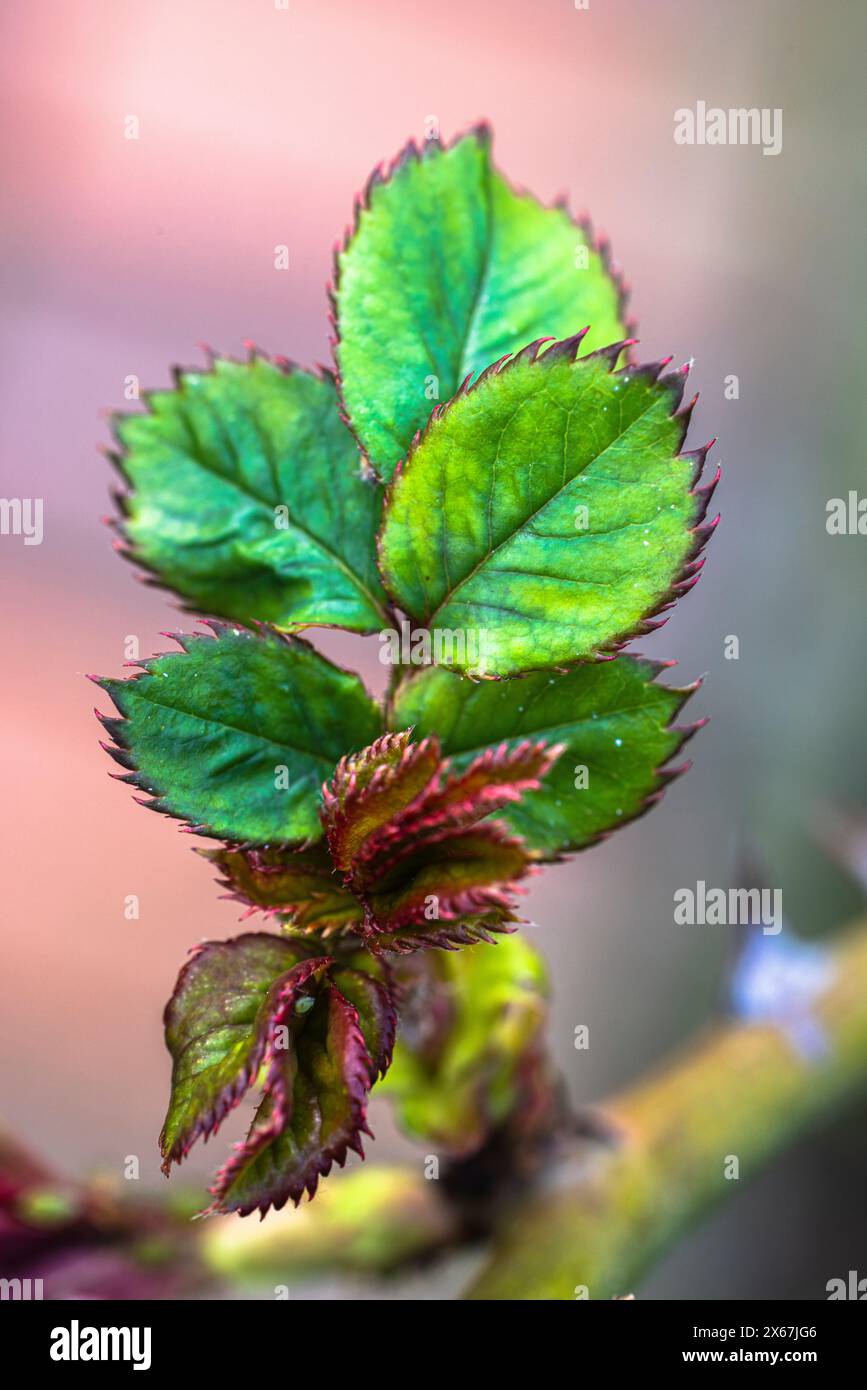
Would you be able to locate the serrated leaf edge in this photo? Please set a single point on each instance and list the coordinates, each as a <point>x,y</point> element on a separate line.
<point>360,1076</point>
<point>119,749</point>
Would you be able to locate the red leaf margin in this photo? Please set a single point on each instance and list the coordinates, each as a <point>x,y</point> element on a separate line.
<point>359,1072</point>
<point>209,1121</point>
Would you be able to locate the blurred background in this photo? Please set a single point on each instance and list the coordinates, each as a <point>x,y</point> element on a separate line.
<point>257,124</point>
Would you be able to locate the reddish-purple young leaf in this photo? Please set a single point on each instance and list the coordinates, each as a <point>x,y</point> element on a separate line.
<point>299,884</point>
<point>497,777</point>
<point>399,829</point>
<point>370,788</point>
<point>377,1016</point>
<point>219,1022</point>
<point>313,1112</point>
<point>320,1034</point>
<point>459,873</point>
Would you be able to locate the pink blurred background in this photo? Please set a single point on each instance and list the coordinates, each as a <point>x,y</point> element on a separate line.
<point>257,126</point>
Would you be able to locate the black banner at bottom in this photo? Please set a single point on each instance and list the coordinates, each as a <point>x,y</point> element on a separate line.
<point>83,1339</point>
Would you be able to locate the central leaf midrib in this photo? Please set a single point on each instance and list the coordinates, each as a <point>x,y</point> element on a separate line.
<point>244,489</point>
<point>459,368</point>
<point>462,366</point>
<point>528,520</point>
<point>142,694</point>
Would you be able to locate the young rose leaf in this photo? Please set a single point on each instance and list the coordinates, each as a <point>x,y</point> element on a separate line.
<point>447,269</point>
<point>313,1111</point>
<point>547,511</point>
<point>321,1033</point>
<point>470,1030</point>
<point>370,788</point>
<point>463,872</point>
<point>390,799</point>
<point>235,733</point>
<point>218,1023</point>
<point>297,882</point>
<point>612,717</point>
<point>246,497</point>
<point>373,1000</point>
<point>495,778</point>
<point>401,830</point>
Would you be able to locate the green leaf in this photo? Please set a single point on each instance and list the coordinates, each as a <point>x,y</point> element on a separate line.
<point>236,733</point>
<point>470,1023</point>
<point>546,513</point>
<point>448,269</point>
<point>615,721</point>
<point>217,1025</point>
<point>246,497</point>
<point>313,1112</point>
